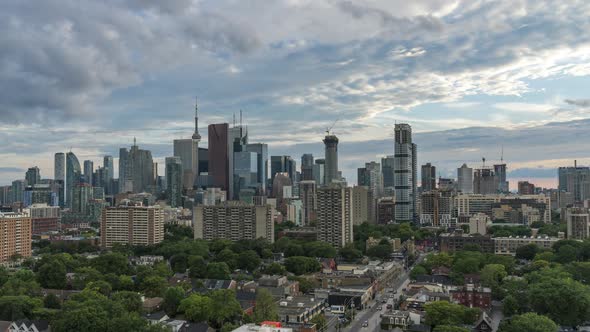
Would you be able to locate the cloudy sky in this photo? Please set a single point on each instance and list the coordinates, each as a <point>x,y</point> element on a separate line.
<point>469,76</point>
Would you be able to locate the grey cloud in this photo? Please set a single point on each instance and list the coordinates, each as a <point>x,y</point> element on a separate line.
<point>11,170</point>
<point>578,102</point>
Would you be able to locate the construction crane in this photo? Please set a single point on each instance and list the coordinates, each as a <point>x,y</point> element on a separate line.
<point>330,128</point>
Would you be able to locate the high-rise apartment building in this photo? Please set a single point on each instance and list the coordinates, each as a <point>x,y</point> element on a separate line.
<point>387,168</point>
<point>526,188</point>
<point>132,225</point>
<point>44,218</point>
<point>33,176</point>
<point>331,159</point>
<point>485,181</point>
<point>139,173</point>
<point>15,235</point>
<point>219,147</point>
<point>500,172</point>
<point>187,151</point>
<point>363,205</point>
<point>125,183</point>
<point>405,173</point>
<point>436,208</point>
<point>18,190</point>
<point>88,172</point>
<point>308,196</point>
<point>465,179</point>
<point>73,175</point>
<point>319,168</point>
<point>335,215</point>
<point>575,180</point>
<point>233,220</point>
<point>59,166</point>
<point>428,174</point>
<point>578,223</point>
<point>174,171</point>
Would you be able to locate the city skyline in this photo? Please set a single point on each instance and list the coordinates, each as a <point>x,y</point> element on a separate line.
<point>436,65</point>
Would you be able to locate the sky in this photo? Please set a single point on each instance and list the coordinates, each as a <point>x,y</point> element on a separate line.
<point>473,78</point>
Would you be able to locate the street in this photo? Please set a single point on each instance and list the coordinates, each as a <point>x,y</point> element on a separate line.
<point>371,314</point>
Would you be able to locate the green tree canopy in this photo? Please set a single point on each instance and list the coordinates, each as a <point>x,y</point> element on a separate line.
<point>445,313</point>
<point>172,299</point>
<point>527,251</point>
<point>301,265</point>
<point>530,322</point>
<point>218,271</point>
<point>265,309</point>
<point>248,260</point>
<point>225,308</point>
<point>196,308</point>
<point>131,301</point>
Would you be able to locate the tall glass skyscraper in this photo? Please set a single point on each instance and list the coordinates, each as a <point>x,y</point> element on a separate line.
<point>73,174</point>
<point>405,173</point>
<point>174,181</point>
<point>331,159</point>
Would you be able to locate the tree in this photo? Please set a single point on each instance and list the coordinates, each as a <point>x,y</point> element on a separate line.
<point>510,306</point>
<point>438,260</point>
<point>294,249</point>
<point>196,308</point>
<point>225,308</point>
<point>527,252</point>
<point>530,322</point>
<point>566,254</point>
<point>448,328</point>
<point>319,249</point>
<point>565,301</point>
<point>23,282</point>
<point>547,256</point>
<point>153,286</point>
<point>3,275</point>
<point>218,271</point>
<point>52,275</point>
<point>51,301</point>
<point>85,275</point>
<point>301,265</point>
<point>18,307</point>
<point>445,313</point>
<point>172,298</point>
<point>580,271</point>
<point>228,257</point>
<point>111,263</point>
<point>197,267</point>
<point>131,301</point>
<point>417,270</point>
<point>382,251</point>
<point>492,275</point>
<point>248,260</point>
<point>265,309</point>
<point>126,283</point>
<point>320,322</point>
<point>132,322</point>
<point>350,253</point>
<point>179,263</point>
<point>100,286</point>
<point>275,269</point>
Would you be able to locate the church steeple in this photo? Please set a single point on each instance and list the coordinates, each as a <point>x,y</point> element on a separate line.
<point>196,133</point>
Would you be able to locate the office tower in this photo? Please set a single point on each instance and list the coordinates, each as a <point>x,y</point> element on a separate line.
<point>82,195</point>
<point>33,176</point>
<point>125,183</point>
<point>363,205</point>
<point>307,166</point>
<point>174,171</point>
<point>233,220</point>
<point>187,151</point>
<point>139,172</point>
<point>335,215</point>
<point>261,151</point>
<point>219,156</point>
<point>132,225</point>
<point>109,175</point>
<point>405,173</point>
<point>375,181</point>
<point>41,193</point>
<point>18,190</point>
<point>15,235</point>
<point>331,159</point>
<point>500,172</point>
<point>485,181</point>
<point>59,166</point>
<point>447,184</point>
<point>281,181</point>
<point>308,196</point>
<point>246,171</point>
<point>362,176</point>
<point>203,161</point>
<point>88,171</point>
<point>385,210</point>
<point>44,218</point>
<point>578,223</point>
<point>73,174</point>
<point>387,169</point>
<point>575,180</point>
<point>465,179</point>
<point>5,195</point>
<point>238,140</point>
<point>283,164</point>
<point>526,188</point>
<point>428,175</point>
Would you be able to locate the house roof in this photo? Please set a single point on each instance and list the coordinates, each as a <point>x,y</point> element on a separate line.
<point>158,315</point>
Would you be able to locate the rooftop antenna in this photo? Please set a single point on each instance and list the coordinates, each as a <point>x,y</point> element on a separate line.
<point>483,159</point>
<point>134,141</point>
<point>240,118</point>
<point>502,155</point>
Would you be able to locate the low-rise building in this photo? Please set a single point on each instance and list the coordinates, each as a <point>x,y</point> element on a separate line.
<point>509,245</point>
<point>472,296</point>
<point>299,309</point>
<point>456,241</point>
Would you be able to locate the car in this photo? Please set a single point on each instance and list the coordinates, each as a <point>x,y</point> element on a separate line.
<point>379,308</point>
<point>365,323</point>
<point>384,301</point>
<point>389,306</point>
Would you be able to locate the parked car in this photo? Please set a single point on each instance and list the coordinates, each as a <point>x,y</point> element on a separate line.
<point>365,323</point>
<point>379,308</point>
<point>389,306</point>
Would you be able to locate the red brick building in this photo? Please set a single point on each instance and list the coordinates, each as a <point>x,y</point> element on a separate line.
<point>473,297</point>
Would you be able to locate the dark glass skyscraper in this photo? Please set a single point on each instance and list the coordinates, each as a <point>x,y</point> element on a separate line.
<point>331,158</point>
<point>219,155</point>
<point>73,174</point>
<point>428,175</point>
